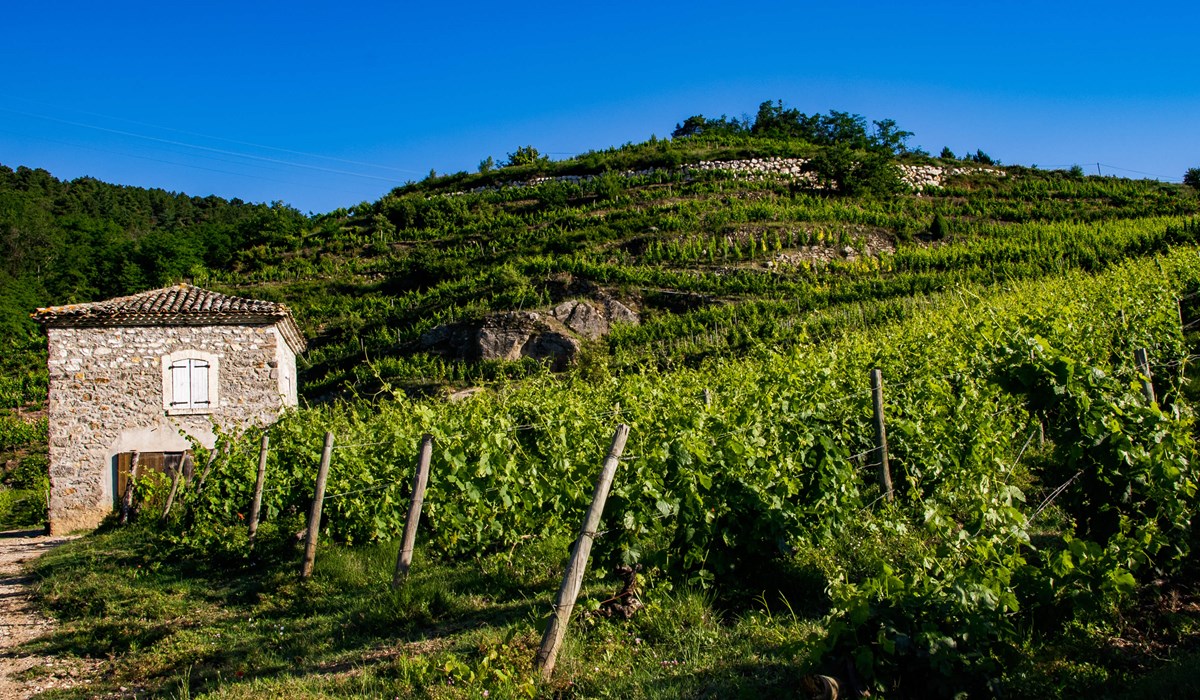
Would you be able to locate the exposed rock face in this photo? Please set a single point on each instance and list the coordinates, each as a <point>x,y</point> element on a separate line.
<point>510,335</point>
<point>504,336</point>
<point>593,321</point>
<point>465,394</point>
<point>619,313</point>
<point>583,318</point>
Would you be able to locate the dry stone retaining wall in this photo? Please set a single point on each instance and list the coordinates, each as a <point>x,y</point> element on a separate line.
<point>917,177</point>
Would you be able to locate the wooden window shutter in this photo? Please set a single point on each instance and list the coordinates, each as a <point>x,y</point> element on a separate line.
<point>181,383</point>
<point>199,380</point>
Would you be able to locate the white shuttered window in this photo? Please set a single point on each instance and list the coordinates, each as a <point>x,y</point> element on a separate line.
<point>188,383</point>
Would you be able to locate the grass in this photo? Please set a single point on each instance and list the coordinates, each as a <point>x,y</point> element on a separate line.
<point>164,624</point>
<point>174,627</point>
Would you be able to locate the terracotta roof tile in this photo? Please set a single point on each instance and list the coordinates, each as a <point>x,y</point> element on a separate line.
<point>182,304</point>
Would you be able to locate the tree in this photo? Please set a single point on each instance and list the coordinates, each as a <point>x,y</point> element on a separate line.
<point>698,124</point>
<point>947,154</point>
<point>1192,178</point>
<point>486,165</point>
<point>839,169</point>
<point>890,138</point>
<point>525,155</point>
<point>982,158</point>
<point>692,126</point>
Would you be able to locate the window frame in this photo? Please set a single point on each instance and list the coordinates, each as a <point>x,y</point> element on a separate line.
<point>189,408</point>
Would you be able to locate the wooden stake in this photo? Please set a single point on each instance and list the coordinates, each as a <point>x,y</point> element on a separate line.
<point>409,540</point>
<point>174,488</point>
<point>127,499</point>
<point>885,474</point>
<point>314,514</point>
<point>1143,363</point>
<point>256,503</point>
<point>212,459</point>
<point>1041,423</point>
<point>556,631</point>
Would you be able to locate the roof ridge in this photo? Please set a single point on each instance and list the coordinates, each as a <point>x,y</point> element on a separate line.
<point>183,304</point>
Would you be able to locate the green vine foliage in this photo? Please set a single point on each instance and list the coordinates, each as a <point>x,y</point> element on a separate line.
<point>980,549</point>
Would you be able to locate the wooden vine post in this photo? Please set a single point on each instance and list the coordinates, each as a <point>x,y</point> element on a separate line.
<point>1041,424</point>
<point>314,514</point>
<point>127,498</point>
<point>175,475</point>
<point>885,473</point>
<point>256,503</point>
<point>556,631</point>
<point>409,540</point>
<point>1143,363</point>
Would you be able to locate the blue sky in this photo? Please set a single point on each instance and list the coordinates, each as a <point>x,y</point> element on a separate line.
<point>323,105</point>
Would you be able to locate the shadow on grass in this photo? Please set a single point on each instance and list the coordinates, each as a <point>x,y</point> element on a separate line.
<point>749,680</point>
<point>1177,680</point>
<point>167,621</point>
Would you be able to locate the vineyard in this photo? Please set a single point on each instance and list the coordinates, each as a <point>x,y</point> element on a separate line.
<point>1044,484</point>
<point>768,490</point>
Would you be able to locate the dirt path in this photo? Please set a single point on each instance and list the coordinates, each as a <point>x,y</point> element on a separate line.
<point>20,620</point>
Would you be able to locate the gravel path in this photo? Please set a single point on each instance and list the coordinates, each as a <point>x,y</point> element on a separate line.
<point>20,620</point>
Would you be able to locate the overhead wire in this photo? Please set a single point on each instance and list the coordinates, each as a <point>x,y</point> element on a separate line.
<point>222,138</point>
<point>210,149</point>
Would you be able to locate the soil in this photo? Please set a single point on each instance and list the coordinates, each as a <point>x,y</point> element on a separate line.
<point>24,675</point>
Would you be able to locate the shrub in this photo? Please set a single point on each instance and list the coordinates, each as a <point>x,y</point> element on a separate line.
<point>939,227</point>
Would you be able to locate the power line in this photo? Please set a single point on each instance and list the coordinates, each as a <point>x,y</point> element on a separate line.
<point>1139,172</point>
<point>260,178</point>
<point>226,140</point>
<point>171,142</point>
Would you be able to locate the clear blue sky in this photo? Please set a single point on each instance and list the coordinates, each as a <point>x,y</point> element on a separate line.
<point>324,104</point>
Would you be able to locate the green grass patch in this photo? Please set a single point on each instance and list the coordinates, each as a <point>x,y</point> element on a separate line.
<point>174,627</point>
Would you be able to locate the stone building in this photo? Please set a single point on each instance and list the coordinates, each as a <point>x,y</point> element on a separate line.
<point>148,373</point>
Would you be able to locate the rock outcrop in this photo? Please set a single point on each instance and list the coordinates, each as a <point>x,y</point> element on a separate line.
<point>591,320</point>
<point>552,337</point>
<point>508,335</point>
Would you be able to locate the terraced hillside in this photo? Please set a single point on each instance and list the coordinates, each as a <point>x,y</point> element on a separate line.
<point>714,259</point>
<point>725,293</point>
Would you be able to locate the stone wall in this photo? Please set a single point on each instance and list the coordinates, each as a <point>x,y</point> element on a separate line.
<point>106,397</point>
<point>916,177</point>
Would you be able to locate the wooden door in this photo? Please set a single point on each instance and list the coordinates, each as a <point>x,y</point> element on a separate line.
<point>165,463</point>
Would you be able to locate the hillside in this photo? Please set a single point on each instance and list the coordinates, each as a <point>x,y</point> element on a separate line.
<point>726,293</point>
<point>723,237</point>
<point>712,260</point>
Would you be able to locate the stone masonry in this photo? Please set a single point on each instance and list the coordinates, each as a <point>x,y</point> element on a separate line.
<point>916,177</point>
<point>109,376</point>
